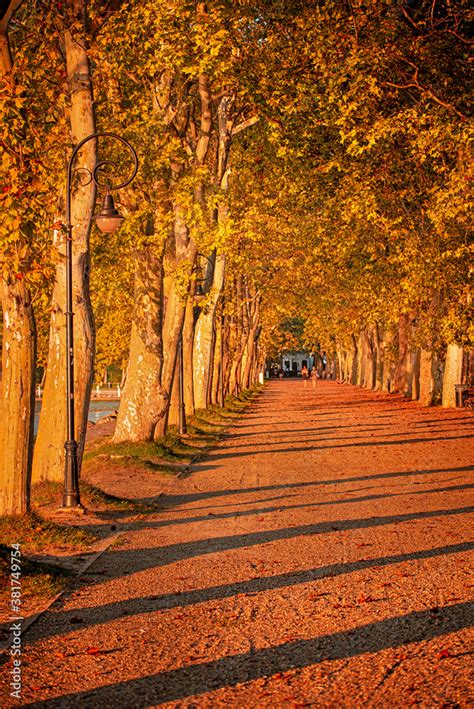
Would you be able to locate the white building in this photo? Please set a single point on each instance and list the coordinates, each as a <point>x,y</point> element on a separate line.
<point>293,362</point>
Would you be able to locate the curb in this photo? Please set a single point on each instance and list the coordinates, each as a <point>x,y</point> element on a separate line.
<point>28,622</point>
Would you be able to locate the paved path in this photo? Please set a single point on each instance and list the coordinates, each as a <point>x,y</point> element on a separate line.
<point>318,557</point>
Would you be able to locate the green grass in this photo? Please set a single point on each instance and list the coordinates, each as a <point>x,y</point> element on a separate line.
<point>93,496</point>
<point>37,578</point>
<point>145,450</point>
<point>203,429</point>
<point>36,534</point>
<point>50,493</point>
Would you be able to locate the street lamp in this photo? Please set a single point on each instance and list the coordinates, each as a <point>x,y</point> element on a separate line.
<point>221,399</point>
<point>199,293</point>
<point>107,220</point>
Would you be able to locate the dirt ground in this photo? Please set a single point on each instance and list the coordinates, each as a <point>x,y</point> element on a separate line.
<point>318,556</point>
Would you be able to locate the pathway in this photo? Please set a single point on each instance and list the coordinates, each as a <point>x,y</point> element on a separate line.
<point>317,557</point>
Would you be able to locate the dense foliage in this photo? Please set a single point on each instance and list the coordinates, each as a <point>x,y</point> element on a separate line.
<point>319,149</point>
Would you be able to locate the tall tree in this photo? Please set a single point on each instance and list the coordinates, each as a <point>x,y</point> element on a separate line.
<point>19,331</point>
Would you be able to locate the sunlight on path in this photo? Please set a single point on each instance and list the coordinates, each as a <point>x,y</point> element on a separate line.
<point>318,556</point>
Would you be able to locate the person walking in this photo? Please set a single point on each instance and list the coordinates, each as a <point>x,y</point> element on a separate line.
<point>314,376</point>
<point>305,375</point>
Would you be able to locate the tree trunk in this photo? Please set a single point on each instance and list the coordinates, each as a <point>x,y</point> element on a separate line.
<point>188,340</point>
<point>172,328</point>
<point>204,338</point>
<point>415,386</point>
<point>185,251</point>
<point>250,347</point>
<point>352,362</point>
<point>48,463</point>
<point>370,355</point>
<point>426,379</point>
<point>388,376</point>
<point>379,358</point>
<point>17,385</point>
<point>205,326</point>
<point>452,374</point>
<point>173,413</point>
<point>142,400</point>
<point>17,404</point>
<point>217,373</point>
<point>340,364</point>
<point>399,385</point>
<point>360,381</point>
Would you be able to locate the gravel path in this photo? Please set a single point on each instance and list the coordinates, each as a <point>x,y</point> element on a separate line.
<point>317,557</point>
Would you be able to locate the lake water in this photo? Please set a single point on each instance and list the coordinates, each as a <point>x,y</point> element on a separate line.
<point>97,410</point>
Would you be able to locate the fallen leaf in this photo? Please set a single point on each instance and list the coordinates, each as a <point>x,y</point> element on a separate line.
<point>365,599</point>
<point>93,651</point>
<point>443,654</point>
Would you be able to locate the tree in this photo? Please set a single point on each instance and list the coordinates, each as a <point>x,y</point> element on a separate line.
<point>19,332</point>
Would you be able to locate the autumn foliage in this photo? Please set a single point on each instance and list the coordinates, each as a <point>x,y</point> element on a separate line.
<point>299,162</point>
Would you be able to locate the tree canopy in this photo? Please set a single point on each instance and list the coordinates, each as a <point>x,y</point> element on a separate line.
<point>311,157</point>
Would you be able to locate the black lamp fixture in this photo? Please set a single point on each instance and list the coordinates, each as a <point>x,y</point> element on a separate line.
<point>199,290</point>
<point>200,280</point>
<point>108,220</point>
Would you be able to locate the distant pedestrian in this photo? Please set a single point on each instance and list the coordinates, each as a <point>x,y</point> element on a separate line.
<point>305,374</point>
<point>314,376</point>
<point>324,362</point>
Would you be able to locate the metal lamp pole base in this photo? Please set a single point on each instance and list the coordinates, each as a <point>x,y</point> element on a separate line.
<point>183,429</point>
<point>71,500</point>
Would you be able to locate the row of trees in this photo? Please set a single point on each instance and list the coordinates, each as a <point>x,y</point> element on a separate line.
<point>296,158</point>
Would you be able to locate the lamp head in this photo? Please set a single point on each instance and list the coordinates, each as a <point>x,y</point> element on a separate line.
<point>108,219</point>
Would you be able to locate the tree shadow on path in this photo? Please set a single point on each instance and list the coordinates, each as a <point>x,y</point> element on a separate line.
<point>186,498</point>
<point>190,680</point>
<point>98,615</point>
<point>125,562</point>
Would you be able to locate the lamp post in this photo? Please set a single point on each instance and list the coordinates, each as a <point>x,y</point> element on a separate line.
<point>181,406</point>
<point>107,220</point>
<point>221,399</point>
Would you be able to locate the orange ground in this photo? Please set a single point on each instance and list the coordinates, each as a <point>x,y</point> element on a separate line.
<point>317,557</point>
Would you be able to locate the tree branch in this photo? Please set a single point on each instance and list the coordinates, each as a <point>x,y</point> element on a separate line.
<point>354,22</point>
<point>245,124</point>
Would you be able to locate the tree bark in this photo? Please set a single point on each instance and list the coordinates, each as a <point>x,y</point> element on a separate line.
<point>361,359</point>
<point>188,342</point>
<point>379,358</point>
<point>143,400</point>
<point>173,412</point>
<point>400,383</point>
<point>48,462</point>
<point>250,347</point>
<point>388,376</point>
<point>17,385</point>
<point>217,363</point>
<point>185,254</point>
<point>204,338</point>
<point>352,362</point>
<point>426,379</point>
<point>415,386</point>
<point>205,326</point>
<point>452,374</point>
<point>17,404</point>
